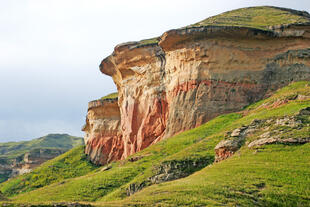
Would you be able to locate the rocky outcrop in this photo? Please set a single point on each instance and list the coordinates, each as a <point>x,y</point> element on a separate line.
<point>17,158</point>
<point>30,160</point>
<point>170,170</point>
<point>26,162</point>
<point>191,75</point>
<point>102,131</point>
<point>264,132</point>
<point>229,146</point>
<point>271,140</point>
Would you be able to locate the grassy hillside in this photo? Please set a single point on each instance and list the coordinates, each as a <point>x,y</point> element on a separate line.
<point>273,175</point>
<point>59,141</point>
<point>260,17</point>
<point>276,175</point>
<point>12,153</point>
<point>68,165</point>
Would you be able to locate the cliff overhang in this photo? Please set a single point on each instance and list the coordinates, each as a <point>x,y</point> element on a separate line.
<point>188,76</point>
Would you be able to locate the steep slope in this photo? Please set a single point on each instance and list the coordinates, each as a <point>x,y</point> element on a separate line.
<point>21,157</point>
<point>190,75</point>
<point>277,174</point>
<point>266,174</point>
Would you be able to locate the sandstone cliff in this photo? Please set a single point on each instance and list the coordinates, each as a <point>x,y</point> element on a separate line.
<point>190,75</point>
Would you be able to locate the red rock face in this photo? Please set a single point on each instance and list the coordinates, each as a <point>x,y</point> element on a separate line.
<point>143,124</point>
<point>223,154</point>
<point>104,148</point>
<point>102,134</point>
<point>188,78</point>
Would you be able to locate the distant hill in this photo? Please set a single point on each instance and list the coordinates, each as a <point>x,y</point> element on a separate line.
<point>21,157</point>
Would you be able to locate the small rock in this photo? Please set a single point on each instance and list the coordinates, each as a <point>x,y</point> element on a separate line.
<point>288,121</point>
<point>302,97</point>
<point>262,142</point>
<point>265,135</point>
<point>236,133</point>
<point>266,128</point>
<point>227,148</point>
<point>106,168</point>
<point>255,122</point>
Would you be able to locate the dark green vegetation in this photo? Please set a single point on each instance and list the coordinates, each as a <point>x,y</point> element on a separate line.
<point>256,17</point>
<point>269,175</point>
<point>110,96</point>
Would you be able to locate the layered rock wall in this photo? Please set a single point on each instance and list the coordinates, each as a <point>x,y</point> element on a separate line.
<point>187,78</point>
<point>102,131</point>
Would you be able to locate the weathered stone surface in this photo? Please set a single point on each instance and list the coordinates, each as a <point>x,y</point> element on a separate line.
<point>102,131</point>
<point>265,131</point>
<point>191,76</point>
<point>170,170</point>
<point>33,159</point>
<point>274,140</point>
<point>229,146</point>
<point>25,163</point>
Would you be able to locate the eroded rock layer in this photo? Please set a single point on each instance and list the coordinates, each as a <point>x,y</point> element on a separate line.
<point>102,131</point>
<point>188,77</point>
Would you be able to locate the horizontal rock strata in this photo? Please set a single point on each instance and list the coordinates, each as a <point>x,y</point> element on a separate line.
<point>102,131</point>
<point>188,77</point>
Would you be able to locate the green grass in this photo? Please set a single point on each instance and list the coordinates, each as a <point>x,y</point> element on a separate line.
<point>53,144</point>
<point>110,96</point>
<point>274,175</point>
<point>58,141</point>
<point>150,41</point>
<point>98,184</point>
<point>68,165</point>
<point>260,17</point>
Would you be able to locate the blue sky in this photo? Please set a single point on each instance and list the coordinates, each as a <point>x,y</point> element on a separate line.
<point>50,51</point>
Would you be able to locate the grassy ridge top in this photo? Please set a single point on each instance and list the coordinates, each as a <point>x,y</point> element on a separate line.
<point>261,17</point>
<point>110,96</point>
<point>249,178</point>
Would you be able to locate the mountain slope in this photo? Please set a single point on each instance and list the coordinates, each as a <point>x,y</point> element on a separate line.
<point>68,165</point>
<point>64,141</point>
<point>20,157</point>
<point>250,177</point>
